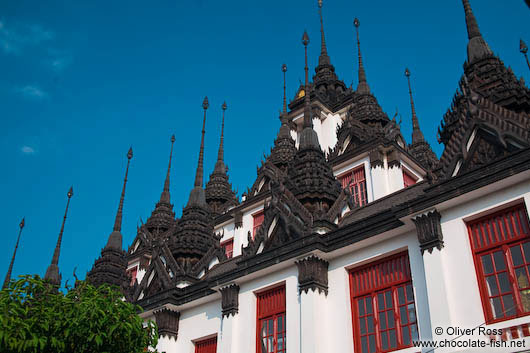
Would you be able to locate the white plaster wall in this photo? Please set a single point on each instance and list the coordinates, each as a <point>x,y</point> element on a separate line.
<point>395,179</point>
<point>194,324</point>
<point>328,130</point>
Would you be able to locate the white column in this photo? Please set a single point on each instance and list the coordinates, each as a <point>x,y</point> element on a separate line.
<point>228,337</point>
<point>313,322</point>
<point>379,181</point>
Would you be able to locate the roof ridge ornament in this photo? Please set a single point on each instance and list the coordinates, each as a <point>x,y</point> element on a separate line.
<point>10,269</point>
<point>362,87</point>
<point>199,173</point>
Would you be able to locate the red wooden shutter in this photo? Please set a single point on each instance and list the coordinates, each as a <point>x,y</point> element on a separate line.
<point>408,178</point>
<point>229,247</point>
<point>208,345</point>
<point>501,227</point>
<point>257,221</point>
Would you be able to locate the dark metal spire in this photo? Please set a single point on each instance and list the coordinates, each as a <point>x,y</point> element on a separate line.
<point>199,173</point>
<point>197,195</point>
<point>117,222</point>
<point>324,58</point>
<point>308,137</point>
<point>165,197</point>
<point>362,87</point>
<point>219,165</point>
<point>417,135</point>
<point>10,269</point>
<point>524,50</point>
<point>115,238</point>
<point>284,70</point>
<point>52,273</point>
<point>307,112</point>
<point>477,48</point>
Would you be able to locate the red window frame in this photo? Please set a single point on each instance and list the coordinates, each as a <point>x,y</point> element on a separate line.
<point>355,179</point>
<point>257,221</point>
<point>383,306</point>
<point>228,246</point>
<point>133,272</point>
<point>271,332</point>
<point>207,345</point>
<point>409,178</point>
<point>500,243</point>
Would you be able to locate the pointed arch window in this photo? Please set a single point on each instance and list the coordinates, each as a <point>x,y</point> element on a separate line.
<point>355,180</point>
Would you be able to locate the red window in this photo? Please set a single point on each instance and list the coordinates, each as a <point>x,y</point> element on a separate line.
<point>208,345</point>
<point>383,307</point>
<point>356,181</point>
<point>271,331</point>
<point>229,247</point>
<point>257,221</point>
<point>409,178</point>
<point>133,272</point>
<point>501,251</point>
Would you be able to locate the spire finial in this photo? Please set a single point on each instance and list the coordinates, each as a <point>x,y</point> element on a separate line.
<point>284,70</point>
<point>362,87</point>
<point>117,221</point>
<point>417,135</point>
<point>307,113</point>
<point>477,47</point>
<point>52,273</point>
<point>10,269</point>
<point>524,50</point>
<point>199,173</point>
<point>323,58</point>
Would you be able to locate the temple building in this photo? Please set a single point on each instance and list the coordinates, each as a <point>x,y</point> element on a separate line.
<point>350,239</point>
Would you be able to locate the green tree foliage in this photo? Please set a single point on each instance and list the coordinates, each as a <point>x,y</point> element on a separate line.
<point>36,317</point>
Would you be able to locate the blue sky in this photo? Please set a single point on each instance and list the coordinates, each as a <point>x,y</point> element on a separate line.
<point>82,81</point>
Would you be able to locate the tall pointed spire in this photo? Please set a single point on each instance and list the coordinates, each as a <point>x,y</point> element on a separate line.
<point>219,165</point>
<point>362,87</point>
<point>524,50</point>
<point>477,48</point>
<point>52,273</point>
<point>199,172</point>
<point>284,70</point>
<point>119,214</point>
<point>323,58</point>
<point>163,216</point>
<point>417,135</point>
<point>115,238</point>
<point>165,197</point>
<point>197,196</point>
<point>308,137</point>
<point>10,269</point>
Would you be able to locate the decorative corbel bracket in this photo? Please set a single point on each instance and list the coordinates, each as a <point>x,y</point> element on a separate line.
<point>230,300</point>
<point>312,274</point>
<point>376,159</point>
<point>429,230</point>
<point>168,322</point>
